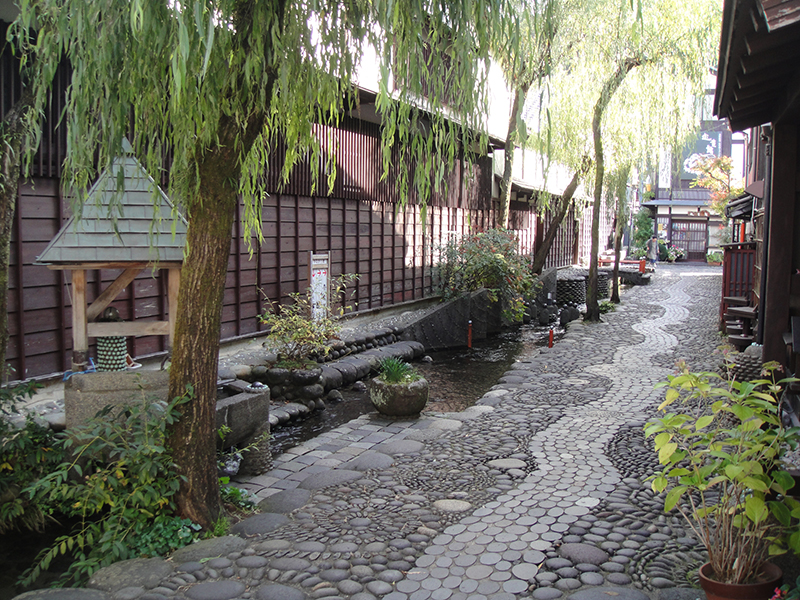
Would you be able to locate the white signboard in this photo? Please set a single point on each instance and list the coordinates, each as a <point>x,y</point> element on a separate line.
<point>319,276</point>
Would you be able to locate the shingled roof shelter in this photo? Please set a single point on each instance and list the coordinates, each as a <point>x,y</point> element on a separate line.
<point>132,234</point>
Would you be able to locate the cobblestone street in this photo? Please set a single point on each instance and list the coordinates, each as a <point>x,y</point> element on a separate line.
<point>537,491</point>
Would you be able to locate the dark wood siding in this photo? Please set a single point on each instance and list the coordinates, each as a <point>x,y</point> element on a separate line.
<point>360,221</point>
<point>393,250</point>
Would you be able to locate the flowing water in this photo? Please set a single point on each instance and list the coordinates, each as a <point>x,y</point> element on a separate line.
<point>457,378</point>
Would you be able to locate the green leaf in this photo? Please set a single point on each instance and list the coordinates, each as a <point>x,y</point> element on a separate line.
<point>755,484</point>
<point>742,412</point>
<point>704,422</point>
<point>671,395</point>
<point>782,481</point>
<point>733,471</point>
<point>666,452</point>
<point>661,439</point>
<point>673,497</point>
<point>780,512</point>
<point>659,484</point>
<point>755,509</point>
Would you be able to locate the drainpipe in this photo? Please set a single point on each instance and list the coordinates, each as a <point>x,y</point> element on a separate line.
<point>766,136</point>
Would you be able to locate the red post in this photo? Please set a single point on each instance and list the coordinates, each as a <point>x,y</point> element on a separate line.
<point>642,264</point>
<point>469,335</point>
<point>550,339</point>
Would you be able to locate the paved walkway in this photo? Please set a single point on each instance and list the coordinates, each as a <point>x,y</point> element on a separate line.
<point>537,491</point>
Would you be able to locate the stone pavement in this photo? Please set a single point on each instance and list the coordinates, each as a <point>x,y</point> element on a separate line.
<point>538,491</point>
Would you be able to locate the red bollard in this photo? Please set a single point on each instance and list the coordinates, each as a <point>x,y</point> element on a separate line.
<point>642,264</point>
<point>550,339</point>
<point>469,335</point>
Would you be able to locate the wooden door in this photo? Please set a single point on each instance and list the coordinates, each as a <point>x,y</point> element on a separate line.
<point>692,236</point>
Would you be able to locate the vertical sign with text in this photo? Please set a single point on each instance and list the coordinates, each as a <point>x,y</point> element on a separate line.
<point>319,271</point>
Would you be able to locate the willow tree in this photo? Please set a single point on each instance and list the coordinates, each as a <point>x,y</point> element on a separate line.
<point>628,89</point>
<point>617,196</point>
<point>524,65</point>
<point>18,136</point>
<point>216,85</point>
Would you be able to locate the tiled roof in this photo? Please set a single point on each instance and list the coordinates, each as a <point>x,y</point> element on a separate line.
<point>135,227</point>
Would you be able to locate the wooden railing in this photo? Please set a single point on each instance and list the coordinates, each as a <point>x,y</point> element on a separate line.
<point>738,276</point>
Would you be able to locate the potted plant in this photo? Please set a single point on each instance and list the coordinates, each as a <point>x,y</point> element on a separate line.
<point>721,454</point>
<point>714,258</point>
<point>398,390</point>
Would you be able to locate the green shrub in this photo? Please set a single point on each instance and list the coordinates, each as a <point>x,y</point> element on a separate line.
<point>642,228</point>
<point>487,260</point>
<point>722,452</point>
<point>606,306</point>
<point>394,370</point>
<point>163,535</point>
<point>237,497</point>
<point>26,454</point>
<point>119,483</point>
<point>295,336</point>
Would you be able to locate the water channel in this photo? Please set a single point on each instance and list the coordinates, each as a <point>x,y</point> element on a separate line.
<point>457,379</point>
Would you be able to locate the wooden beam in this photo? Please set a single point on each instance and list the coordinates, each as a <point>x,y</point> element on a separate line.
<point>128,328</point>
<point>781,233</point>
<point>112,265</point>
<point>789,100</point>
<point>757,43</point>
<point>112,291</point>
<point>173,285</point>
<point>80,340</point>
<point>782,61</point>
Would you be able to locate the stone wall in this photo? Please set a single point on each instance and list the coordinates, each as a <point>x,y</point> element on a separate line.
<point>246,414</point>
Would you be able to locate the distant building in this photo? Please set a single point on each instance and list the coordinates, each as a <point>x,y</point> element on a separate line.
<point>683,216</point>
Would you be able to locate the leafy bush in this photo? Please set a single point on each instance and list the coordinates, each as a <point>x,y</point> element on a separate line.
<point>161,536</point>
<point>487,260</point>
<point>394,370</point>
<point>714,257</point>
<point>237,497</point>
<point>119,483</point>
<point>721,453</point>
<point>295,336</point>
<point>606,306</point>
<point>26,454</point>
<point>638,253</point>
<point>642,228</point>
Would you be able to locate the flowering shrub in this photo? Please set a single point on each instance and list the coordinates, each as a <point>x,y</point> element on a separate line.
<point>670,252</point>
<point>787,592</point>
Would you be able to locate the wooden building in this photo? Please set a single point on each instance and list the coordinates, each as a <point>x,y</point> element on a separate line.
<point>758,88</point>
<point>360,222</point>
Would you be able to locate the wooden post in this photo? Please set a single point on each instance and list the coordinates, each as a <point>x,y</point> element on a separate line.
<point>80,339</point>
<point>173,284</point>
<point>775,304</point>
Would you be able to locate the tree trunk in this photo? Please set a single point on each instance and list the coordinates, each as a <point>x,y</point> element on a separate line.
<point>618,229</point>
<point>609,88</point>
<point>563,207</point>
<point>13,134</point>
<point>508,161</point>
<point>195,354</point>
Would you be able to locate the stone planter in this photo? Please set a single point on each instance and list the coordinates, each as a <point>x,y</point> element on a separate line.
<point>398,399</point>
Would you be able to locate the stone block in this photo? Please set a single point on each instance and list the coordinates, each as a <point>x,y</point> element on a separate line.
<point>86,394</point>
<point>246,414</point>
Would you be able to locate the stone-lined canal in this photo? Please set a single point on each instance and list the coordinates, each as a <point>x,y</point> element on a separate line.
<point>457,378</point>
